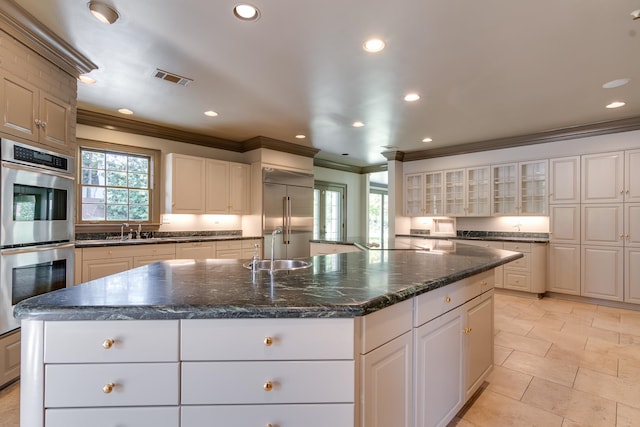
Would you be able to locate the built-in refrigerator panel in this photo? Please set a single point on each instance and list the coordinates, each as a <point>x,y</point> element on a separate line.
<point>287,203</point>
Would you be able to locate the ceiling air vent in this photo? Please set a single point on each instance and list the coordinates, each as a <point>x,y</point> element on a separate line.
<point>172,78</point>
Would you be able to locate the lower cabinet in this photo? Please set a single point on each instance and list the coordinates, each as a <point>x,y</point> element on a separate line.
<point>104,261</point>
<point>602,272</point>
<point>632,275</point>
<point>108,417</point>
<point>564,268</point>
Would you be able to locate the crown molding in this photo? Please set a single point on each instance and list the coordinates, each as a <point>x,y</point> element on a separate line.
<point>22,26</point>
<point>277,145</point>
<point>560,134</point>
<point>328,164</point>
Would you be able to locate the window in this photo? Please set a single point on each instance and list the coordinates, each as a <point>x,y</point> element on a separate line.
<point>329,211</point>
<point>116,184</point>
<point>378,215</point>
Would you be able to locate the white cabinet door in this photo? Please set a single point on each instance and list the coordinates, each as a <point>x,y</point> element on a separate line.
<point>217,187</point>
<point>185,184</point>
<point>602,272</point>
<point>433,193</point>
<point>454,194</point>
<point>532,191</point>
<point>109,417</point>
<point>95,268</point>
<point>478,191</point>
<point>413,194</point>
<point>603,177</point>
<point>388,384</point>
<point>632,224</point>
<point>504,189</point>
<point>564,268</point>
<point>239,188</point>
<point>478,351</point>
<point>564,223</point>
<point>632,275</point>
<point>564,180</point>
<point>632,176</point>
<point>603,224</point>
<point>439,371</point>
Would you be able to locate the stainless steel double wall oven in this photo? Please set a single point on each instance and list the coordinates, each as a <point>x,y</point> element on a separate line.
<point>37,190</point>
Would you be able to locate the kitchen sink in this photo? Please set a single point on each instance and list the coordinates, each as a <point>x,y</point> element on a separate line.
<point>280,264</point>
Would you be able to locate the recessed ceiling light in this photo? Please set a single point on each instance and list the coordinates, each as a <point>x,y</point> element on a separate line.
<point>373,45</point>
<point>210,113</point>
<point>87,80</point>
<point>357,124</point>
<point>246,12</point>
<point>125,111</point>
<point>616,104</point>
<point>411,97</point>
<point>427,139</point>
<point>635,14</point>
<point>103,13</point>
<point>301,136</point>
<point>615,83</point>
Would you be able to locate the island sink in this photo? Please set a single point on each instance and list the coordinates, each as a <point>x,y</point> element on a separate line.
<point>279,264</point>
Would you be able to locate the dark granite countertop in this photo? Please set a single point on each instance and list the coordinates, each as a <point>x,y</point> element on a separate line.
<point>341,285</point>
<point>93,243</point>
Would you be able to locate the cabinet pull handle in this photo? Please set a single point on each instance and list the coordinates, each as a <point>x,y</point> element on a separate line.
<point>268,341</point>
<point>447,299</point>
<point>108,343</point>
<point>268,386</point>
<point>108,388</point>
<point>43,124</point>
<point>467,331</point>
<point>483,283</point>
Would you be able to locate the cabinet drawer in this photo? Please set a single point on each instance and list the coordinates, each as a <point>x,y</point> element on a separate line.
<point>517,246</point>
<point>196,250</point>
<point>132,341</point>
<point>134,384</point>
<point>523,263</point>
<point>267,339</point>
<point>516,280</point>
<point>227,383</point>
<point>109,417</point>
<point>334,415</point>
<point>229,245</point>
<point>432,304</point>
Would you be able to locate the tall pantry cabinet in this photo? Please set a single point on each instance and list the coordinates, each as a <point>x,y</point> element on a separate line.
<point>595,240</point>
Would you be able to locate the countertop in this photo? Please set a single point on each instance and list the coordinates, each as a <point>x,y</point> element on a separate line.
<point>93,243</point>
<point>341,285</point>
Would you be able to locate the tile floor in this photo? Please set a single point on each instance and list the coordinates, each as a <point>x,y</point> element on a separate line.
<point>557,364</point>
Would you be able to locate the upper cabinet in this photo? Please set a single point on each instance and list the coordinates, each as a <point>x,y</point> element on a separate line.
<point>413,194</point>
<point>433,193</point>
<point>520,188</point>
<point>206,186</point>
<point>31,113</point>
<point>603,177</point>
<point>467,192</point>
<point>564,180</point>
<point>632,176</point>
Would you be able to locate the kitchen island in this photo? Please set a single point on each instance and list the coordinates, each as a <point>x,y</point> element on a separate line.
<point>358,339</point>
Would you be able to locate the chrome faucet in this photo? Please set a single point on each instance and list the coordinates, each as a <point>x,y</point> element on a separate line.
<point>139,231</point>
<point>124,224</point>
<point>273,240</point>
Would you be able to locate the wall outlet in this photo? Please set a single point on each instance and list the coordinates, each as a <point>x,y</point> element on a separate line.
<point>166,219</point>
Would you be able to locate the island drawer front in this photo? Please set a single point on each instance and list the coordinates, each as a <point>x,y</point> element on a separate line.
<point>432,304</point>
<point>322,415</point>
<point>517,246</point>
<point>133,384</point>
<point>523,263</point>
<point>518,281</point>
<point>109,417</point>
<point>112,341</point>
<point>226,383</point>
<point>267,339</point>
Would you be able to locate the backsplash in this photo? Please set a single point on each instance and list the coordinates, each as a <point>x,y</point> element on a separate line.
<point>149,234</point>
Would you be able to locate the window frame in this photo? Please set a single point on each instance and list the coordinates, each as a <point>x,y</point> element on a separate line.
<point>155,157</point>
<point>342,189</point>
<point>384,192</point>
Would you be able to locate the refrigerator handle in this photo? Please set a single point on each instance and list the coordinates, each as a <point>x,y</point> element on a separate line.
<point>285,217</point>
<point>288,220</point>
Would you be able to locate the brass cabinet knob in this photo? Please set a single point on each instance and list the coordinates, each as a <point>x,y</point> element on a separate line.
<point>268,341</point>
<point>268,386</point>
<point>108,388</point>
<point>483,283</point>
<point>447,299</point>
<point>467,331</point>
<point>108,343</point>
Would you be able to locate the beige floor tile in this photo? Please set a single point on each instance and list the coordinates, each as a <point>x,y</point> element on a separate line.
<point>558,337</point>
<point>623,350</point>
<point>630,339</point>
<point>551,369</point>
<point>525,344</point>
<point>500,354</point>
<point>495,410</point>
<point>459,422</point>
<point>513,325</point>
<point>584,409</point>
<point>508,382</point>
<point>10,406</point>
<point>617,326</point>
<point>612,388</point>
<point>589,331</point>
<point>555,305</point>
<point>628,416</point>
<point>629,369</point>
<point>597,361</point>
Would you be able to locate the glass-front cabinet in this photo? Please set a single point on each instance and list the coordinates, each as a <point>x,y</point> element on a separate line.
<point>505,189</point>
<point>454,193</point>
<point>520,188</point>
<point>413,194</point>
<point>433,193</point>
<point>478,191</point>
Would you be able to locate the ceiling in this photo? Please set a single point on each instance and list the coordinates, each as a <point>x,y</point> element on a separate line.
<point>485,70</point>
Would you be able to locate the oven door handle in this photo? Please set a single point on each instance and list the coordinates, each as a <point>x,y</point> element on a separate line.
<point>36,170</point>
<point>39,248</point>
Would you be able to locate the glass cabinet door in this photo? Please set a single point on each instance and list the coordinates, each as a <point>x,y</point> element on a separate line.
<point>413,191</point>
<point>433,189</point>
<point>533,188</point>
<point>454,200</point>
<point>505,189</point>
<point>478,191</point>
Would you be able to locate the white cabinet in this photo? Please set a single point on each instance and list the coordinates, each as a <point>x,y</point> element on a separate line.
<point>564,268</point>
<point>34,114</point>
<point>454,192</point>
<point>602,272</point>
<point>498,271</point>
<point>9,357</point>
<point>603,224</point>
<point>632,275</point>
<point>603,178</point>
<point>632,176</point>
<point>332,248</point>
<point>227,187</point>
<point>195,250</point>
<point>520,188</point>
<point>467,192</point>
<point>478,342</point>
<point>564,223</point>
<point>197,186</point>
<point>433,193</point>
<point>105,261</point>
<point>529,273</point>
<point>413,194</point>
<point>159,416</point>
<point>564,180</point>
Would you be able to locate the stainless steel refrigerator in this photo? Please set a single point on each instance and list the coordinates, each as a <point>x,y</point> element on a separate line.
<point>287,200</point>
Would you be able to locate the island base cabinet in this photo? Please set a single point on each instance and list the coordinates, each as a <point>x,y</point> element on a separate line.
<point>478,350</point>
<point>388,384</point>
<point>109,417</point>
<point>334,415</point>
